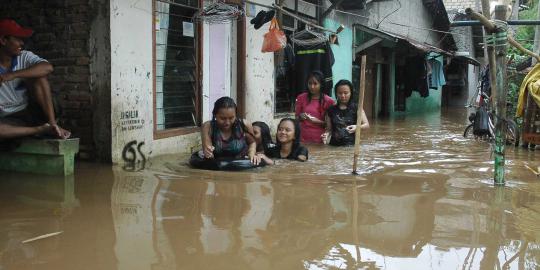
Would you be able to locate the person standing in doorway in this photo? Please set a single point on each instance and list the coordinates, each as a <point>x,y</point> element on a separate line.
<point>311,108</point>
<point>22,75</point>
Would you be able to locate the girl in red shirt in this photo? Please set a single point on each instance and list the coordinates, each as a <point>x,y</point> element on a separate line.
<point>311,108</point>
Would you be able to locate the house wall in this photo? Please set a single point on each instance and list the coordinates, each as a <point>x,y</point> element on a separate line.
<point>132,89</point>
<point>260,75</point>
<point>62,35</point>
<point>131,84</point>
<point>465,44</point>
<point>408,18</point>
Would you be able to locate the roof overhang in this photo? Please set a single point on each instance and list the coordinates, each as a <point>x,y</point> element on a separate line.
<point>395,38</point>
<point>467,59</point>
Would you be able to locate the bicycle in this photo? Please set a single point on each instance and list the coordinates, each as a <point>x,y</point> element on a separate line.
<point>511,127</point>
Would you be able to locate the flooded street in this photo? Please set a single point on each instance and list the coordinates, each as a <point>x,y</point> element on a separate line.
<point>424,199</point>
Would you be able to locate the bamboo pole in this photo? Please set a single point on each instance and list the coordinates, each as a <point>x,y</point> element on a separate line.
<point>489,27</point>
<point>497,46</point>
<point>359,113</point>
<point>518,46</point>
<point>500,46</point>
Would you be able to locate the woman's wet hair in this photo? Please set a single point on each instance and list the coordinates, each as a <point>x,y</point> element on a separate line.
<point>223,103</point>
<point>319,77</point>
<point>266,137</point>
<point>345,83</point>
<point>296,142</point>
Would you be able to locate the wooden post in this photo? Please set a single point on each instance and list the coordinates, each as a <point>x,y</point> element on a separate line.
<point>500,46</point>
<point>359,113</point>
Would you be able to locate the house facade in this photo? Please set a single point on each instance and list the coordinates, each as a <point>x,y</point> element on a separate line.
<point>136,78</point>
<point>464,72</point>
<point>393,35</point>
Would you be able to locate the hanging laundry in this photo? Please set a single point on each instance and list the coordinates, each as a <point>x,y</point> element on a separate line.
<point>416,76</point>
<point>285,72</point>
<point>311,58</point>
<point>435,64</point>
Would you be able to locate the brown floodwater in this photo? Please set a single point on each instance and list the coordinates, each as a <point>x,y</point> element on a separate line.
<point>424,199</point>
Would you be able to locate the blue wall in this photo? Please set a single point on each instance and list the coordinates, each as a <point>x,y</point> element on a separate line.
<point>343,54</point>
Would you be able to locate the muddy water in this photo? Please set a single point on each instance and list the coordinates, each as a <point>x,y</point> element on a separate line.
<point>424,200</point>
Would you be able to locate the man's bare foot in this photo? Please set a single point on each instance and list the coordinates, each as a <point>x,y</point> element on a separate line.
<point>45,129</point>
<point>60,132</point>
<point>53,130</point>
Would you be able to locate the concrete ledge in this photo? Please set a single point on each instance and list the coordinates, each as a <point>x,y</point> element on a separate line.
<point>52,157</point>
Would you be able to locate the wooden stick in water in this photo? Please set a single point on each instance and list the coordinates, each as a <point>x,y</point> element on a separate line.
<point>41,237</point>
<point>532,170</point>
<point>359,113</point>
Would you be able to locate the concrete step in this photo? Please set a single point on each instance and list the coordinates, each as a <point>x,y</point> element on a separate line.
<point>41,156</point>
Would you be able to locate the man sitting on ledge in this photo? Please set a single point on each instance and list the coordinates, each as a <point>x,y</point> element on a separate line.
<point>26,106</point>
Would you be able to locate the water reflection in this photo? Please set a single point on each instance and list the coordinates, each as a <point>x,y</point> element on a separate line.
<point>32,205</point>
<point>375,223</point>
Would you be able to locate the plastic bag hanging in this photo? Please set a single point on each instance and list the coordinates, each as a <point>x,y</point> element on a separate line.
<point>275,39</point>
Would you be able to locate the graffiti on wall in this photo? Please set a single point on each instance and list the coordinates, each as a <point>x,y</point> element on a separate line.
<point>133,156</point>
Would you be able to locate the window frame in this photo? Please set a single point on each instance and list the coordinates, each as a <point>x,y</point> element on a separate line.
<point>172,132</point>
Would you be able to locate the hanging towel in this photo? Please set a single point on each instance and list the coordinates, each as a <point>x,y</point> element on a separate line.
<point>530,83</point>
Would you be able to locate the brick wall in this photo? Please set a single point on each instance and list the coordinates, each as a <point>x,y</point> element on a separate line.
<point>62,36</point>
<point>456,5</point>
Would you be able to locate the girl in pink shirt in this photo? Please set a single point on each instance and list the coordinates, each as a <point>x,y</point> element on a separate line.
<point>311,108</point>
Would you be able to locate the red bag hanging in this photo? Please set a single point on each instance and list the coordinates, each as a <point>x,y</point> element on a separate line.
<point>275,39</point>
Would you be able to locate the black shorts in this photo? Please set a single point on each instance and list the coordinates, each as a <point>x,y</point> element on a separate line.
<point>31,116</point>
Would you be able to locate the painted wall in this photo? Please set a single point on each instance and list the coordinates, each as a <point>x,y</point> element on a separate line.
<point>417,104</point>
<point>343,53</point>
<point>260,85</point>
<point>131,83</point>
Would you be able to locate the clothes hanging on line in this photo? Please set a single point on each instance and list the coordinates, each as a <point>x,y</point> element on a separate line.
<point>309,59</point>
<point>435,63</point>
<point>416,76</point>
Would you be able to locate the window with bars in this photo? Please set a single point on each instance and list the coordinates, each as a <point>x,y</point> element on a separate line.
<point>176,64</point>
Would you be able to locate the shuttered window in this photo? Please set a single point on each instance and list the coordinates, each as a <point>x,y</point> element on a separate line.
<point>176,64</point>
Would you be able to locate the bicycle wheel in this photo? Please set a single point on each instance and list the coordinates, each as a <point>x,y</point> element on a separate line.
<point>512,137</point>
<point>468,133</point>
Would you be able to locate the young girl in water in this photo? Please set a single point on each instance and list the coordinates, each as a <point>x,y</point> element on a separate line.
<point>227,136</point>
<point>261,133</point>
<point>341,118</point>
<point>311,108</point>
<point>288,142</point>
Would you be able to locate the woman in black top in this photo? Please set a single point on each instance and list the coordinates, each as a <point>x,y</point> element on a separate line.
<point>287,142</point>
<point>341,118</point>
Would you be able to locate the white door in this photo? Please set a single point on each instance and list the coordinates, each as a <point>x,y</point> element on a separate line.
<point>219,65</point>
